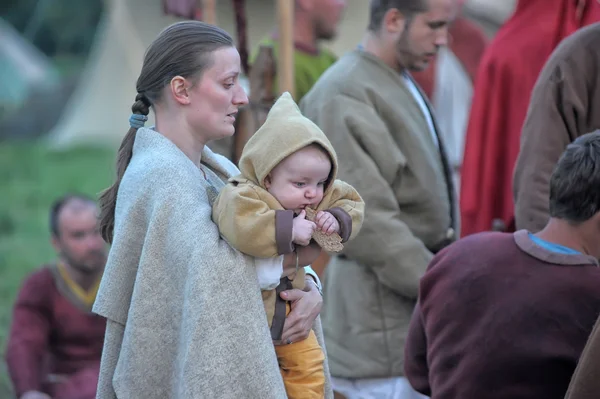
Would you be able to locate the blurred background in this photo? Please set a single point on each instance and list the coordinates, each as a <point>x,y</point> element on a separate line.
<point>67,81</point>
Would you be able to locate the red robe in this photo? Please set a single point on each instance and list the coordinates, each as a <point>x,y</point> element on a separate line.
<point>53,335</point>
<point>505,79</point>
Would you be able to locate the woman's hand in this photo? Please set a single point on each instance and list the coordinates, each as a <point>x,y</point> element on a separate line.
<point>306,306</point>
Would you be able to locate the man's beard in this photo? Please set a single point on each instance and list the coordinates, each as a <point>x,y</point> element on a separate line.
<point>323,33</point>
<point>403,51</point>
<point>87,266</point>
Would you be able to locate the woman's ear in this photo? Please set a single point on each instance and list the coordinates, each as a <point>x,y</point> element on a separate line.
<point>179,90</point>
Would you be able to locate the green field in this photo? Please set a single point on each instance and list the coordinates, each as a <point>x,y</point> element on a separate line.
<point>31,178</point>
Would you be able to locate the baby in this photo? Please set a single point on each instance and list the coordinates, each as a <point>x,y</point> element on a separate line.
<point>287,168</point>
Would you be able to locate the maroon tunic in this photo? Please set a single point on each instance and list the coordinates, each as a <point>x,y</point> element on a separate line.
<point>500,317</point>
<point>55,343</point>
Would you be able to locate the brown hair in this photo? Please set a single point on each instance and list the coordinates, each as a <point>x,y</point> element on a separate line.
<point>182,49</point>
<point>379,8</point>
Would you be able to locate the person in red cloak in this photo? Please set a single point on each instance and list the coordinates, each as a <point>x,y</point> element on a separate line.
<point>448,83</point>
<point>505,79</point>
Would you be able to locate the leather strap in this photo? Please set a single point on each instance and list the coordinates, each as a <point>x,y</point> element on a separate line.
<point>280,309</point>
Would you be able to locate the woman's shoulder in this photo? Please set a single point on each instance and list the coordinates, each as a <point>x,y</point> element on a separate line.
<point>156,159</point>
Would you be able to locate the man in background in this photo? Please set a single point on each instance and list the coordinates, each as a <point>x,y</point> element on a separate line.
<point>315,21</point>
<point>390,149</point>
<point>55,342</point>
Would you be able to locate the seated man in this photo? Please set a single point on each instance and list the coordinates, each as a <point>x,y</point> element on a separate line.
<point>55,342</point>
<point>507,315</point>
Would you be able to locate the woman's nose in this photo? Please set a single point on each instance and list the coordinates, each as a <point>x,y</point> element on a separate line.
<point>240,98</point>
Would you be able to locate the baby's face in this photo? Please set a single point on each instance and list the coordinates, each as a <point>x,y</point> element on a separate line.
<point>299,180</point>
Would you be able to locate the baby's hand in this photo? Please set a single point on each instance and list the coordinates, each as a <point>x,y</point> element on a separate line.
<point>327,223</point>
<point>302,229</point>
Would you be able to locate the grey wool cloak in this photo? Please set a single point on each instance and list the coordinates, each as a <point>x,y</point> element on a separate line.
<point>184,312</point>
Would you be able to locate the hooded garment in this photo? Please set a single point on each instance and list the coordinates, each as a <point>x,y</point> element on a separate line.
<point>251,219</point>
<point>508,72</point>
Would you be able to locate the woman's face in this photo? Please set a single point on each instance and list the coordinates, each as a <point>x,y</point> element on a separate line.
<point>215,99</point>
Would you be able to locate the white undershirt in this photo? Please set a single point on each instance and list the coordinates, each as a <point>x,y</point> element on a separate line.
<point>419,99</point>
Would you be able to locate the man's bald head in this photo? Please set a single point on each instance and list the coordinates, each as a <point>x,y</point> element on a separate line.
<point>322,15</point>
<point>75,233</point>
<point>72,202</point>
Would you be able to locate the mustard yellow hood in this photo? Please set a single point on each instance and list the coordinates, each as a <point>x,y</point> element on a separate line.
<point>284,132</point>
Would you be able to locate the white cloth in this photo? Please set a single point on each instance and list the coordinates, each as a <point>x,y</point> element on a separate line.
<point>424,108</point>
<point>376,388</point>
<point>452,104</point>
<point>269,271</point>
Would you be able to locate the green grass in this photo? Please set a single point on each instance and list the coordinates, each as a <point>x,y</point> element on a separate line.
<point>31,178</point>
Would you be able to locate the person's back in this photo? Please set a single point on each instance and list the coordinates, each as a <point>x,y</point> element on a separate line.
<point>504,318</point>
<point>507,74</point>
<point>507,315</point>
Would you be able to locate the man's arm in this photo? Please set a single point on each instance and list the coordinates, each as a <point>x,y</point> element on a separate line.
<point>28,338</point>
<point>370,161</point>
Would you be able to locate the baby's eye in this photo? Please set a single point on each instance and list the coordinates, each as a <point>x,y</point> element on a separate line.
<point>299,184</point>
<point>322,183</point>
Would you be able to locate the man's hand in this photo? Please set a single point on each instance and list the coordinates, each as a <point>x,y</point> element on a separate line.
<point>306,306</point>
<point>327,223</point>
<point>34,395</point>
<point>302,229</point>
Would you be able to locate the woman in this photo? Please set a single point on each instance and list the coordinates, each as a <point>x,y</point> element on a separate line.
<point>184,312</point>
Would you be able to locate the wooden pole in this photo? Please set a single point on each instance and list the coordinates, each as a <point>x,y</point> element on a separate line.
<point>209,11</point>
<point>285,59</point>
